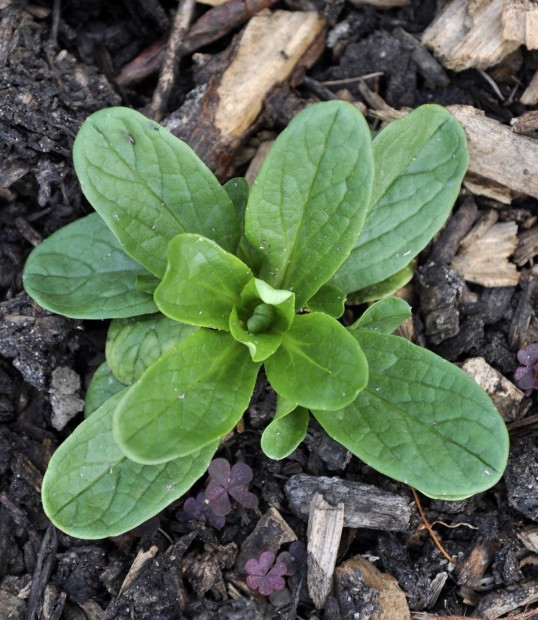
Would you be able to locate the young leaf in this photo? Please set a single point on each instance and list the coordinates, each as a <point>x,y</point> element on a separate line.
<point>133,345</point>
<point>103,385</point>
<point>318,365</point>
<point>193,395</point>
<point>202,282</point>
<point>82,272</point>
<point>384,316</point>
<point>414,190</point>
<point>421,420</point>
<point>91,490</point>
<point>257,292</point>
<point>285,433</point>
<point>308,203</point>
<point>385,288</point>
<point>149,186</point>
<point>260,346</point>
<point>329,300</point>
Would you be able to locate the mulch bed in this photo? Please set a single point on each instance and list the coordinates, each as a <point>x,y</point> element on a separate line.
<point>57,65</point>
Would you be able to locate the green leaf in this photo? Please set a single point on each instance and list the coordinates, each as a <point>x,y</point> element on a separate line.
<point>133,345</point>
<point>257,291</point>
<point>421,420</point>
<point>82,272</point>
<point>238,189</point>
<point>285,433</point>
<point>147,283</point>
<point>384,316</point>
<point>329,300</point>
<point>383,289</point>
<point>202,282</point>
<point>149,186</point>
<point>420,161</point>
<point>91,490</point>
<point>103,385</point>
<point>308,203</point>
<point>260,346</point>
<point>318,365</point>
<point>193,395</point>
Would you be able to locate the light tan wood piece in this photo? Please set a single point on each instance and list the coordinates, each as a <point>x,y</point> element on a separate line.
<point>358,574</point>
<point>504,394</point>
<point>469,34</point>
<point>324,532</point>
<point>137,565</point>
<point>270,48</point>
<point>529,537</point>
<point>520,22</point>
<point>530,94</point>
<point>257,161</point>
<point>486,261</point>
<point>381,4</point>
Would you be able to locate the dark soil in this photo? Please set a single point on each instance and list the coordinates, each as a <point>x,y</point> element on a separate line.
<point>57,62</point>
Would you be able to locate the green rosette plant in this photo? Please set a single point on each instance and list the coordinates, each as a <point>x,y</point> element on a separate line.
<point>206,283</point>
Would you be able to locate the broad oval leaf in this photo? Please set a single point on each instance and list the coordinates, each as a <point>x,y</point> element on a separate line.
<point>384,316</point>
<point>202,282</point>
<point>149,186</point>
<point>420,161</point>
<point>285,433</point>
<point>328,299</point>
<point>91,490</point>
<point>308,203</point>
<point>383,289</point>
<point>319,365</point>
<point>82,272</point>
<point>193,395</point>
<point>421,420</point>
<point>103,385</point>
<point>133,345</point>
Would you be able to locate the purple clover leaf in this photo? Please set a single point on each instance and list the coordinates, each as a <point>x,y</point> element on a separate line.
<point>199,509</point>
<point>229,481</point>
<point>265,574</point>
<point>294,558</point>
<point>526,376</point>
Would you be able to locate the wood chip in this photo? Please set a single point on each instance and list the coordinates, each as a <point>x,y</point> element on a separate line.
<point>257,161</point>
<point>530,94</point>
<point>504,394</point>
<point>520,22</point>
<point>271,47</point>
<point>469,35</point>
<point>502,601</point>
<point>529,537</point>
<point>527,247</point>
<point>473,568</point>
<point>325,526</point>
<point>137,565</point>
<point>366,505</point>
<point>368,592</point>
<point>486,261</point>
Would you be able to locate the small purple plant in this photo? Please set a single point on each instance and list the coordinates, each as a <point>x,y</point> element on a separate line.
<point>526,376</point>
<point>198,508</point>
<point>226,481</point>
<point>266,574</point>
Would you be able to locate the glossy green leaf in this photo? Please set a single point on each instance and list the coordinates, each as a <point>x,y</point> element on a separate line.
<point>285,433</point>
<point>258,292</point>
<point>308,203</point>
<point>328,299</point>
<point>82,272</point>
<point>383,289</point>
<point>149,186</point>
<point>133,345</point>
<point>238,189</point>
<point>202,282</point>
<point>384,316</point>
<point>103,385</point>
<point>421,420</point>
<point>260,346</point>
<point>193,395</point>
<point>318,365</point>
<point>91,490</point>
<point>147,283</point>
<point>420,161</point>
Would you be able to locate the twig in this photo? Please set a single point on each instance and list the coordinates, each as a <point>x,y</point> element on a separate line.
<point>430,530</point>
<point>358,78</point>
<point>56,10</point>
<point>167,76</point>
<point>42,571</point>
